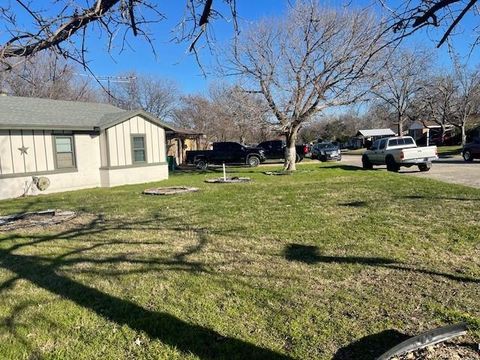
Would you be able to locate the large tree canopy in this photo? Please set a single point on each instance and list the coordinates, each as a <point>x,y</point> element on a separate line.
<point>310,60</point>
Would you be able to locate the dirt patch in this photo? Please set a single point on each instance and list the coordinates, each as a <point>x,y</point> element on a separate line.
<point>172,190</point>
<point>41,220</point>
<point>443,351</point>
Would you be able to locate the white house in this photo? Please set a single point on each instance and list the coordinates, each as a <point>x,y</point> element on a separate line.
<point>77,145</point>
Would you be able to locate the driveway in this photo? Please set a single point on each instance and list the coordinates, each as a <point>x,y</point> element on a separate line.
<point>451,170</point>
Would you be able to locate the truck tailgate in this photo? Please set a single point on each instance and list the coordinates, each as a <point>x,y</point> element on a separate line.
<point>420,153</point>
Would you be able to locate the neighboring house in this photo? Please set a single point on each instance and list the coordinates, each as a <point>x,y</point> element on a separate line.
<point>77,145</point>
<point>427,132</point>
<point>368,136</point>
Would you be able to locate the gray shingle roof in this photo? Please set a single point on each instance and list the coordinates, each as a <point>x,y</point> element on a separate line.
<point>34,113</point>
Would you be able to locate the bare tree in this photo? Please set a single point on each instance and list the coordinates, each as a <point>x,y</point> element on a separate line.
<point>63,25</point>
<point>47,76</point>
<point>409,16</point>
<point>246,114</point>
<point>156,95</point>
<point>313,59</point>
<point>195,112</point>
<point>437,102</point>
<point>467,96</point>
<point>227,114</point>
<point>402,77</point>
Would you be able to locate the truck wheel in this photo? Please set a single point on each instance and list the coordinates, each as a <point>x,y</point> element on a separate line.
<point>253,161</point>
<point>392,165</point>
<point>366,164</point>
<point>425,166</point>
<point>202,165</point>
<point>322,158</point>
<point>467,156</point>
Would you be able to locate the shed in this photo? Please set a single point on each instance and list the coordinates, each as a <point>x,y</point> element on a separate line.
<point>77,145</point>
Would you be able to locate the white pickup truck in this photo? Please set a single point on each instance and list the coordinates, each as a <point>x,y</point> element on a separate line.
<point>399,151</point>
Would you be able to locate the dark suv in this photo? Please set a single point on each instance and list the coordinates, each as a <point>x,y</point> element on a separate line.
<point>472,150</point>
<point>275,150</point>
<point>228,153</point>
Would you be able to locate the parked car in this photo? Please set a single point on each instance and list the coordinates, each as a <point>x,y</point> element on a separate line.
<point>228,153</point>
<point>471,150</point>
<point>326,151</point>
<point>275,150</point>
<point>396,152</point>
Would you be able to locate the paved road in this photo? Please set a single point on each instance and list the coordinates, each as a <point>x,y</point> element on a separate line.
<point>451,170</point>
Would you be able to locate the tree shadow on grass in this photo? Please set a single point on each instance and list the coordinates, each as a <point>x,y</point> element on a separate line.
<point>344,167</point>
<point>356,204</point>
<point>170,330</point>
<point>309,254</point>
<point>371,346</point>
<point>424,197</point>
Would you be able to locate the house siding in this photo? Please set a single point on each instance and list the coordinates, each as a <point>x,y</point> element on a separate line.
<point>102,159</point>
<point>39,161</point>
<point>117,147</point>
<point>39,157</point>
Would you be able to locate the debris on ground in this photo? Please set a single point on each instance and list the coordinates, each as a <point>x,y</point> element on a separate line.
<point>172,190</point>
<point>229,180</point>
<point>36,218</point>
<point>277,172</point>
<point>443,351</point>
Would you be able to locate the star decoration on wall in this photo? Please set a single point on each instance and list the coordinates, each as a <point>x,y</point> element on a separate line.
<point>23,150</point>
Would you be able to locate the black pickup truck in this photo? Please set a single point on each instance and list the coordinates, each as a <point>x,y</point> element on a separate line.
<point>275,150</point>
<point>228,153</point>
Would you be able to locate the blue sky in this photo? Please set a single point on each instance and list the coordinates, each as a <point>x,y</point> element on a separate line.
<point>173,62</point>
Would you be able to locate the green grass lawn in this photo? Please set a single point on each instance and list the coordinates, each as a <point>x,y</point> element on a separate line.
<point>327,262</point>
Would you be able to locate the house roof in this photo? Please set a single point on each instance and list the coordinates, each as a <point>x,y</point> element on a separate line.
<point>375,132</point>
<point>35,113</point>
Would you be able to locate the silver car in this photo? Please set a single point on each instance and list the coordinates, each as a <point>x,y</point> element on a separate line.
<point>326,151</point>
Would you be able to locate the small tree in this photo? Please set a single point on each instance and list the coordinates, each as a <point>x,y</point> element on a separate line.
<point>401,79</point>
<point>309,61</point>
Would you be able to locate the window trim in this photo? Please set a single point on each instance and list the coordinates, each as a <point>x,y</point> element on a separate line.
<point>55,152</point>
<point>144,136</point>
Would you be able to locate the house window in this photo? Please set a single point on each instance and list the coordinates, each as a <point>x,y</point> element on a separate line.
<point>64,152</point>
<point>139,153</point>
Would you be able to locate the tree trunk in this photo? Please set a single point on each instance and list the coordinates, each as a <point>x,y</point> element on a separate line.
<point>290,151</point>
<point>464,134</point>
<point>400,125</point>
<point>444,130</point>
